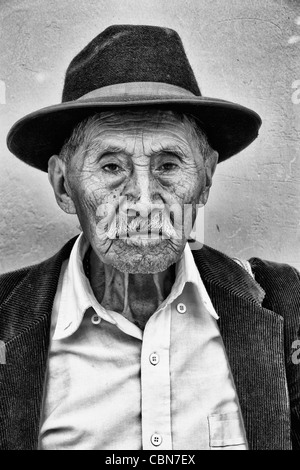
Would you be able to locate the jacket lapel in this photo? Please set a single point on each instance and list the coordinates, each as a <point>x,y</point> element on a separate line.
<point>25,317</point>
<point>253,339</point>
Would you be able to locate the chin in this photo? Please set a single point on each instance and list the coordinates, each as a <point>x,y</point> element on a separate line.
<point>143,258</point>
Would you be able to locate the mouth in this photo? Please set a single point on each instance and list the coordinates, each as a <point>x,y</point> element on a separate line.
<point>143,235</point>
<point>152,228</point>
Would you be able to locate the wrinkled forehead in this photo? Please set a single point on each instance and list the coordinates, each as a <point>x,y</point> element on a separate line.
<point>141,118</point>
<point>158,123</point>
<point>144,127</point>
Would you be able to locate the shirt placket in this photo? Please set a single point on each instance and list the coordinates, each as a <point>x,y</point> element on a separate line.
<point>155,382</point>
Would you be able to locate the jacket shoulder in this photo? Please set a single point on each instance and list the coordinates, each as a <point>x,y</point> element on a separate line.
<point>275,275</point>
<point>281,283</point>
<point>9,280</point>
<point>29,274</point>
<point>267,273</point>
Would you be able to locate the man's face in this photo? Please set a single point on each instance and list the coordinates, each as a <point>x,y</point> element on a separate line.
<point>137,167</point>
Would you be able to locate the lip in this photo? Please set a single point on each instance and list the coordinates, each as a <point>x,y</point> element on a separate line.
<point>144,234</point>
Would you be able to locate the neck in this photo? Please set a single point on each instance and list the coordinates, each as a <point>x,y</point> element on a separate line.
<point>135,296</point>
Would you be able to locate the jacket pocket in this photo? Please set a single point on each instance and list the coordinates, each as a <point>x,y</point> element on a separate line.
<point>226,432</point>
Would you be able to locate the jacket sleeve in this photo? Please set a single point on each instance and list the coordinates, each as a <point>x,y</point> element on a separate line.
<point>281,283</point>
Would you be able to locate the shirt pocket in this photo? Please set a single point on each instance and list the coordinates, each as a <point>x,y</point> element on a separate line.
<point>226,432</point>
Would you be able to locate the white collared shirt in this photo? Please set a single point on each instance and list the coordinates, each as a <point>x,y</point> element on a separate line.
<point>111,385</point>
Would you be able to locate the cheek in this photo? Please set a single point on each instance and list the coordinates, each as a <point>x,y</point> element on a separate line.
<point>97,213</point>
<point>188,186</point>
<point>91,192</point>
<point>195,182</point>
<point>87,194</point>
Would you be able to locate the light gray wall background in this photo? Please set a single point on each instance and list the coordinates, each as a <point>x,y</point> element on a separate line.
<point>241,50</point>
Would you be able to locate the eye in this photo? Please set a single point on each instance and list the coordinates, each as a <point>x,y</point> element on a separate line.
<point>112,168</point>
<point>169,166</point>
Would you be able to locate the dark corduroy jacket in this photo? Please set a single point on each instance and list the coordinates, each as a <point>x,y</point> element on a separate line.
<point>258,331</point>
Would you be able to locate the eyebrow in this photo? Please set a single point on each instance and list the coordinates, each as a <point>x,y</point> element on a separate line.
<point>109,148</point>
<point>114,149</point>
<point>170,150</point>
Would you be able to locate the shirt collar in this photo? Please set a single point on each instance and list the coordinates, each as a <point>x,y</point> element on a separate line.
<point>187,271</point>
<point>76,295</point>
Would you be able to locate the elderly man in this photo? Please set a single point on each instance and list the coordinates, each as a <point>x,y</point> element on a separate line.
<point>127,338</point>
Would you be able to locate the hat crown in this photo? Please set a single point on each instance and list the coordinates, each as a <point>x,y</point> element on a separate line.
<point>129,53</point>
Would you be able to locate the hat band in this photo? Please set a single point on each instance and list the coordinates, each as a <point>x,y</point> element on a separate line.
<point>137,89</point>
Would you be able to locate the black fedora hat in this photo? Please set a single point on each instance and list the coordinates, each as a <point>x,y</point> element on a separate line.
<point>131,66</point>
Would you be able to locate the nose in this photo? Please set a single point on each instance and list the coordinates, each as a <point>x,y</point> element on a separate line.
<point>141,193</point>
<point>140,187</point>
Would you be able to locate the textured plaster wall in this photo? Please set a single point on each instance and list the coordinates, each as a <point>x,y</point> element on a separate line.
<point>241,50</point>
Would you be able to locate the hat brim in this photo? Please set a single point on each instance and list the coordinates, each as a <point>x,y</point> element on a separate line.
<point>229,127</point>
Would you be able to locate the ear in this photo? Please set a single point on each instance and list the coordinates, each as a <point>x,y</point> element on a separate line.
<point>210,167</point>
<point>57,178</point>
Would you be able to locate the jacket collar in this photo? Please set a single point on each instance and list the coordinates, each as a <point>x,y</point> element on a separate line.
<point>252,335</point>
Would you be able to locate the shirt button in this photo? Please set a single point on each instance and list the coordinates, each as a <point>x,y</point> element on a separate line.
<point>181,308</point>
<point>96,319</point>
<point>156,439</point>
<point>154,359</point>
